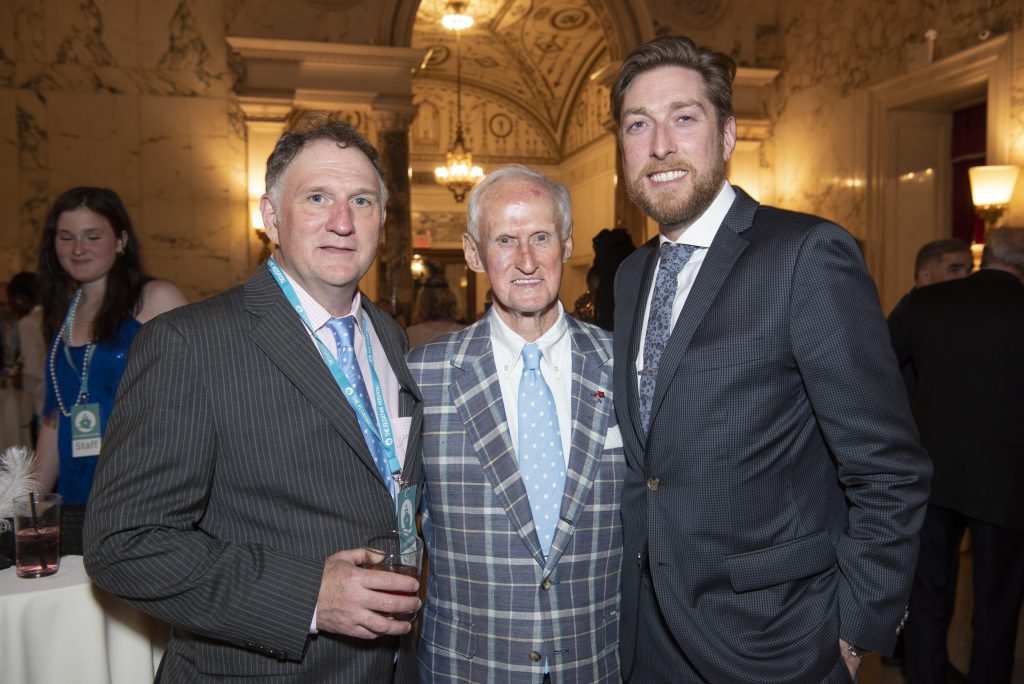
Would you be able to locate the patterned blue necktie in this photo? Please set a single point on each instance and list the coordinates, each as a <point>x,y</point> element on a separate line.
<point>540,447</point>
<point>659,321</point>
<point>344,336</point>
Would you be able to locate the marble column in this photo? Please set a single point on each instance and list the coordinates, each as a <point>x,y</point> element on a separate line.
<point>395,289</point>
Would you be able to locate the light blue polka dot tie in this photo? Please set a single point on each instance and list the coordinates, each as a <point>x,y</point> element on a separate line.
<point>540,447</point>
<point>659,320</point>
<point>344,335</point>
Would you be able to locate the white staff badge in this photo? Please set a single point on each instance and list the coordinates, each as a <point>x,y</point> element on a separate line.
<point>85,430</point>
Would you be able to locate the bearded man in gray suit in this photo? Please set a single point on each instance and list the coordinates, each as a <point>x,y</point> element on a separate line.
<point>238,482</point>
<point>775,483</point>
<point>522,516</point>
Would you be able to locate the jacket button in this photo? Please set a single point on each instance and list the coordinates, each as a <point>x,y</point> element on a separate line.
<point>546,584</point>
<point>535,657</point>
<point>653,483</point>
<point>639,562</point>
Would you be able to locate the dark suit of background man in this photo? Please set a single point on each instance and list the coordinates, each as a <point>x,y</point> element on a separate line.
<point>936,262</point>
<point>236,471</point>
<point>965,339</point>
<point>775,483</point>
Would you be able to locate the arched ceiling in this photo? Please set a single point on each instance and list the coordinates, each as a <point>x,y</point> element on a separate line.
<point>529,56</point>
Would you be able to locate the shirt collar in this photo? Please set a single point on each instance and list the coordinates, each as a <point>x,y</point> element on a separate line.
<point>508,346</point>
<point>315,312</point>
<point>702,231</point>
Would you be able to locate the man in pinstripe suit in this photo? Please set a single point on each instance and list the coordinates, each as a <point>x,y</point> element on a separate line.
<point>775,483</point>
<point>237,485</point>
<point>523,587</point>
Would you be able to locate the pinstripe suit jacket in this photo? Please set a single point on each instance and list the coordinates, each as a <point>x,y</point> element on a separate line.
<point>778,402</point>
<point>231,468</point>
<point>493,599</point>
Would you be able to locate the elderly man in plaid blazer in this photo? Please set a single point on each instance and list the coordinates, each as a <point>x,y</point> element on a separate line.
<point>522,514</point>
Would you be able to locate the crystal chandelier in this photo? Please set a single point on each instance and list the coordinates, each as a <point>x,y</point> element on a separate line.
<point>459,174</point>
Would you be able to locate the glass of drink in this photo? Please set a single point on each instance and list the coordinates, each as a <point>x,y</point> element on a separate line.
<point>388,552</point>
<point>37,534</point>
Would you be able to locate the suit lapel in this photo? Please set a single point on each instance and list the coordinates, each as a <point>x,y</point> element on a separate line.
<point>725,249</point>
<point>476,395</point>
<point>280,334</point>
<point>591,413</point>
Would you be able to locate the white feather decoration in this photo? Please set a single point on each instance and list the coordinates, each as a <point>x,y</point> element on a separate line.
<point>16,478</point>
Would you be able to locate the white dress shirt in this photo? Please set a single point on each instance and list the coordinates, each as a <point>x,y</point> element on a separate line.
<point>700,234</point>
<point>555,366</point>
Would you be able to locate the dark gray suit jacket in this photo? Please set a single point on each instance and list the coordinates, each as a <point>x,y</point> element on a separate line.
<point>231,468</point>
<point>778,403</point>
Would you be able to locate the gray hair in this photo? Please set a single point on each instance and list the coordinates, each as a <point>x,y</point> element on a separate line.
<point>559,194</point>
<point>313,126</point>
<point>1005,246</point>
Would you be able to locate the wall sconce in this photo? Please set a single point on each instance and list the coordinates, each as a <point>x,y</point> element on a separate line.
<point>991,190</point>
<point>417,266</point>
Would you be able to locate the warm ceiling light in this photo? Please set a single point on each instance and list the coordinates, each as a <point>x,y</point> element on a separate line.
<point>458,174</point>
<point>455,17</point>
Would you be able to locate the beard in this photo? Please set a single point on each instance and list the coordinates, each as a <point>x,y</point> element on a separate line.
<point>671,209</point>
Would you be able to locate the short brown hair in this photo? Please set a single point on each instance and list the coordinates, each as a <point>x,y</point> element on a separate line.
<point>309,128</point>
<point>933,252</point>
<point>716,69</point>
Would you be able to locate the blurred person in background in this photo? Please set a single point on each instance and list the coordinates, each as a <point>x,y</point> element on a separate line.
<point>95,297</point>
<point>433,313</point>
<point>964,338</point>
<point>21,296</point>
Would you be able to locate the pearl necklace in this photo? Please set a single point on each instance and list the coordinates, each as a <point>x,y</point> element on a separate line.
<point>66,334</point>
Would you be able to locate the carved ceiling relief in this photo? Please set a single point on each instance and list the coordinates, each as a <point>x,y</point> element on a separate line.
<point>526,63</point>
<point>587,123</point>
<point>493,130</point>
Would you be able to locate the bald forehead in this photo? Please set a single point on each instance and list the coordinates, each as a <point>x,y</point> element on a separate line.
<point>515,191</point>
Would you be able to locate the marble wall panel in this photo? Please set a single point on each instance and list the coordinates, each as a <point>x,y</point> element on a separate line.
<point>8,165</point>
<point>13,237</point>
<point>8,43</point>
<point>191,41</point>
<point>731,26</point>
<point>166,167</point>
<point>354,22</point>
<point>821,157</point>
<point>77,31</point>
<point>33,163</point>
<point>29,30</point>
<point>94,140</point>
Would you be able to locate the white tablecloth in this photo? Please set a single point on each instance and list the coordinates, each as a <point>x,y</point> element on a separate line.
<point>15,418</point>
<point>63,630</point>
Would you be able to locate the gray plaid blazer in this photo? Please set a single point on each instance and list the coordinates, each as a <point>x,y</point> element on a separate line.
<point>496,609</point>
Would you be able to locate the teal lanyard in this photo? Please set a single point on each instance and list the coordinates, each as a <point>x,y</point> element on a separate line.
<point>384,435</point>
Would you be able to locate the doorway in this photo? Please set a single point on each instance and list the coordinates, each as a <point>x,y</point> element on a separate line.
<point>912,169</point>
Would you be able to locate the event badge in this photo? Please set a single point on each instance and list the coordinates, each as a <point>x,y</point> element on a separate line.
<point>406,504</point>
<point>85,430</point>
